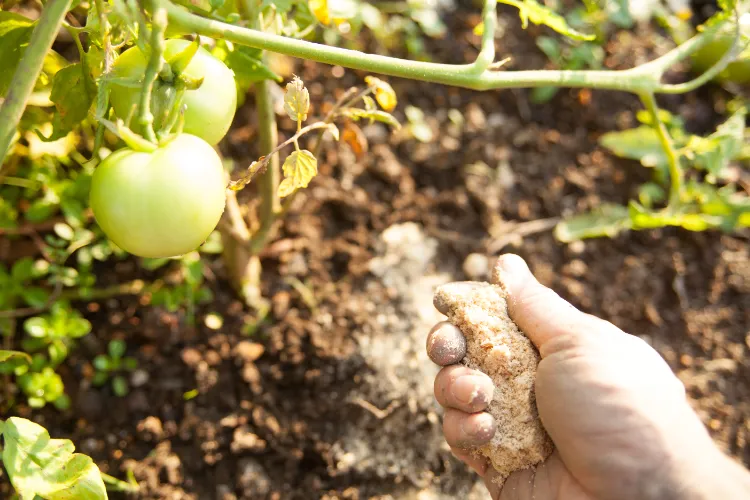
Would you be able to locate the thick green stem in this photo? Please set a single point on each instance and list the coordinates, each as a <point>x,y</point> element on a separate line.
<point>673,160</point>
<point>269,180</point>
<point>28,70</point>
<point>478,75</point>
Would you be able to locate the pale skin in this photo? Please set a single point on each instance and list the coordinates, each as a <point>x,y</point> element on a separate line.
<point>619,418</point>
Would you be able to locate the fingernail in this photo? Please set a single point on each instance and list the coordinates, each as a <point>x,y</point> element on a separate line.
<point>446,345</point>
<point>478,430</point>
<point>467,389</point>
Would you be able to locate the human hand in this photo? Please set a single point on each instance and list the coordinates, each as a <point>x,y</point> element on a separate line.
<point>618,416</point>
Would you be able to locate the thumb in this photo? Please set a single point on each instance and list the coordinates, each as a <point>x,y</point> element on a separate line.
<point>540,312</point>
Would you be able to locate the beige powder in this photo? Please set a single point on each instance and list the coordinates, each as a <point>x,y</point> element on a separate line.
<point>495,346</point>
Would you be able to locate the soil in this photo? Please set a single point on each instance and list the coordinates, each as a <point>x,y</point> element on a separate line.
<point>331,397</point>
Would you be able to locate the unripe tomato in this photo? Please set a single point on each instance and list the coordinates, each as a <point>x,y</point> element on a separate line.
<point>160,204</point>
<point>738,71</point>
<point>210,107</point>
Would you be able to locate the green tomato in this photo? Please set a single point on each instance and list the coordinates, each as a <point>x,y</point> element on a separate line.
<point>738,71</point>
<point>160,204</point>
<point>210,107</point>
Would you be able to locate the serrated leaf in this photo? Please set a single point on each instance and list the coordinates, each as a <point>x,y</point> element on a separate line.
<point>607,220</point>
<point>15,32</point>
<point>531,10</point>
<point>296,100</point>
<point>319,9</point>
<point>640,143</point>
<point>384,93</point>
<point>6,355</point>
<point>299,168</point>
<point>49,468</point>
<point>375,115</point>
<point>73,92</point>
<point>714,152</point>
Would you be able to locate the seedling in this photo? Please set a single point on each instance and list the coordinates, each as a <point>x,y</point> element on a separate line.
<point>113,366</point>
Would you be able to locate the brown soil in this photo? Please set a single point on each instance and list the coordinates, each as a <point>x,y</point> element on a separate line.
<point>332,399</point>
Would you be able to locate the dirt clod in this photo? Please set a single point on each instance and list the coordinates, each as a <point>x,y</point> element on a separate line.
<point>496,346</point>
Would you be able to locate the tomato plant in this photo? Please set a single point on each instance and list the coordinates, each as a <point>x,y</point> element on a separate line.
<point>737,71</point>
<point>138,103</point>
<point>209,108</point>
<point>161,203</point>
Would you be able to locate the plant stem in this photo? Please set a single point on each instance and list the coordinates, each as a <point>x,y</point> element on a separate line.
<point>258,166</point>
<point>158,27</point>
<point>28,70</point>
<point>645,78</point>
<point>269,181</point>
<point>673,160</point>
<point>114,484</point>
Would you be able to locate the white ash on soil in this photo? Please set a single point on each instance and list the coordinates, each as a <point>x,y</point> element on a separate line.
<point>394,432</point>
<point>495,346</point>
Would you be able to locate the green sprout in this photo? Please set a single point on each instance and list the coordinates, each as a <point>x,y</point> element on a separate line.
<point>111,366</point>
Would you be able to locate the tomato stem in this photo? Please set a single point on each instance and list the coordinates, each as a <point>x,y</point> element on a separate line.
<point>477,75</point>
<point>22,84</point>
<point>154,68</point>
<point>673,160</point>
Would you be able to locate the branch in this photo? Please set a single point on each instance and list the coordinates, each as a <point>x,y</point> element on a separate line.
<point>155,63</point>
<point>673,160</point>
<point>28,70</point>
<point>258,166</point>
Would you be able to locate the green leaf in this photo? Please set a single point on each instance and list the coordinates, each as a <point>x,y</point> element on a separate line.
<point>38,465</point>
<point>714,152</point>
<point>246,62</point>
<point>299,168</point>
<point>357,114</point>
<point>73,92</point>
<point>36,327</point>
<point>550,47</point>
<point>6,355</point>
<point>281,6</point>
<point>120,386</point>
<point>640,143</point>
<point>116,348</point>
<point>22,270</point>
<point>607,220</point>
<point>531,10</point>
<point>15,32</point>
<point>650,194</point>
<point>35,296</point>
<point>78,327</point>
<point>102,363</point>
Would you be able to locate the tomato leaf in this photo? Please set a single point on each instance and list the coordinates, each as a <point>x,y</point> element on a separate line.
<point>73,92</point>
<point>713,153</point>
<point>384,93</point>
<point>6,355</point>
<point>15,32</point>
<point>373,115</point>
<point>296,100</point>
<point>299,168</point>
<point>640,143</point>
<point>608,220</point>
<point>246,62</point>
<point>38,465</point>
<point>531,10</point>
